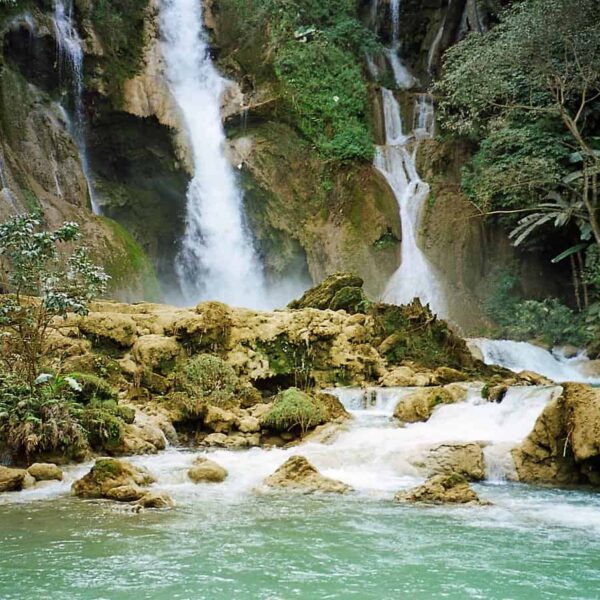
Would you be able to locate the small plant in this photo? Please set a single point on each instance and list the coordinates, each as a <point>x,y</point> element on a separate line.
<point>294,408</point>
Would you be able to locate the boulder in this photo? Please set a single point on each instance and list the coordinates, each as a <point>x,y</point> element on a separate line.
<point>443,375</point>
<point>156,352</point>
<point>465,459</point>
<point>398,377</point>
<point>420,404</point>
<point>125,493</point>
<point>45,472</point>
<point>160,500</point>
<point>448,488</point>
<point>534,378</point>
<point>564,445</point>
<point>12,480</point>
<point>219,420</point>
<point>207,471</point>
<point>109,473</point>
<point>298,474</point>
<point>322,295</point>
<point>495,393</point>
<point>249,425</point>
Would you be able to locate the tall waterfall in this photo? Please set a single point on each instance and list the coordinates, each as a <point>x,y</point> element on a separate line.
<point>396,160</point>
<point>404,80</point>
<point>217,260</point>
<point>70,63</point>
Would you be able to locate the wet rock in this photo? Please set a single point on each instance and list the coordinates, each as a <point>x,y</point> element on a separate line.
<point>298,474</point>
<point>564,445</point>
<point>45,472</point>
<point>109,473</point>
<point>465,459</point>
<point>534,378</point>
<point>420,405</point>
<point>215,439</point>
<point>207,471</point>
<point>125,493</point>
<point>495,393</point>
<point>249,425</point>
<point>12,480</point>
<point>398,377</point>
<point>443,375</point>
<point>449,488</point>
<point>160,500</point>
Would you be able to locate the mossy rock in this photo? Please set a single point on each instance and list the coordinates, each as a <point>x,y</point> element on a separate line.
<point>338,287</point>
<point>351,299</point>
<point>294,409</point>
<point>420,405</point>
<point>209,329</point>
<point>94,388</point>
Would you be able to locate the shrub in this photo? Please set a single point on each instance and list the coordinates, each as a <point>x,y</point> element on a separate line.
<point>293,408</point>
<point>210,379</point>
<point>93,388</point>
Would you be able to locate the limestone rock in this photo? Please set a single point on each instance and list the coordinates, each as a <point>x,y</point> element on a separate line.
<point>215,439</point>
<point>160,500</point>
<point>12,480</point>
<point>156,352</point>
<point>113,328</point>
<point>564,445</point>
<point>443,375</point>
<point>45,472</point>
<point>322,295</point>
<point>398,377</point>
<point>298,474</point>
<point>449,488</point>
<point>465,459</point>
<point>109,473</point>
<point>534,378</point>
<point>125,493</point>
<point>220,420</point>
<point>420,405</point>
<point>249,425</point>
<point>207,471</point>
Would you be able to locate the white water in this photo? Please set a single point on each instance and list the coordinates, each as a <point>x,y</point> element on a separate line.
<point>416,277</point>
<point>372,453</point>
<point>217,260</point>
<point>522,356</point>
<point>402,76</point>
<point>70,57</point>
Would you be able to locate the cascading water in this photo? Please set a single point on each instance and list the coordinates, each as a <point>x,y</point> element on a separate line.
<point>522,356</point>
<point>70,59</point>
<point>416,277</point>
<point>402,76</point>
<point>217,260</point>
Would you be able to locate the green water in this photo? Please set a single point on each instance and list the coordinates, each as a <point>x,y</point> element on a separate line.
<point>533,544</point>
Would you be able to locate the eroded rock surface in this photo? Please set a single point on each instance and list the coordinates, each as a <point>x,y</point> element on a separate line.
<point>298,474</point>
<point>420,405</point>
<point>449,488</point>
<point>205,470</point>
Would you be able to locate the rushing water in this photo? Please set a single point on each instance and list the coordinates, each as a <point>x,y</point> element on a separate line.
<point>70,63</point>
<point>416,276</point>
<point>522,356</point>
<point>232,540</point>
<point>217,260</point>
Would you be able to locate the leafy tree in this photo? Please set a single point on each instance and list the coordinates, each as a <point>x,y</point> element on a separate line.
<point>45,275</point>
<point>530,88</point>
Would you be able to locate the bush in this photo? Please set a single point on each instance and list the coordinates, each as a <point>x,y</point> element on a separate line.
<point>293,408</point>
<point>93,388</point>
<point>210,379</point>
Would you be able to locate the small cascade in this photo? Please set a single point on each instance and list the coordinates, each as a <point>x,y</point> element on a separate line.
<point>217,260</point>
<point>522,356</point>
<point>70,63</point>
<point>402,76</point>
<point>416,277</point>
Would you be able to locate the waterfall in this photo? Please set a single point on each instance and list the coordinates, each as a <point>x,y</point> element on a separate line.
<point>416,277</point>
<point>404,80</point>
<point>70,59</point>
<point>217,260</point>
<point>522,356</point>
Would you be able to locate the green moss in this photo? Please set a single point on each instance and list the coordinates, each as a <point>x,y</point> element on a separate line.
<point>293,408</point>
<point>210,379</point>
<point>93,388</point>
<point>128,263</point>
<point>106,468</point>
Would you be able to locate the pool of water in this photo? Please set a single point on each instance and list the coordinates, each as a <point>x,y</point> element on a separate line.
<point>534,543</point>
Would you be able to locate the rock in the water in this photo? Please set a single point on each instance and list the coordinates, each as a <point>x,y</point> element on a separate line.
<point>450,488</point>
<point>156,500</point>
<point>420,405</point>
<point>109,473</point>
<point>12,480</point>
<point>45,472</point>
<point>126,493</point>
<point>296,473</point>
<point>564,446</point>
<point>207,471</point>
<point>465,459</point>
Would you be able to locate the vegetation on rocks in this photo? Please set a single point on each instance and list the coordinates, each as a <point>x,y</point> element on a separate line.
<point>293,408</point>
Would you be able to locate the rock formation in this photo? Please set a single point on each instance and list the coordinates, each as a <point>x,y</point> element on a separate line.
<point>450,488</point>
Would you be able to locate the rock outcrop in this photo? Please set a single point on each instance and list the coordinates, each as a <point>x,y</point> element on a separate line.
<point>45,472</point>
<point>110,473</point>
<point>450,488</point>
<point>205,470</point>
<point>420,405</point>
<point>464,459</point>
<point>564,446</point>
<point>13,480</point>
<point>297,474</point>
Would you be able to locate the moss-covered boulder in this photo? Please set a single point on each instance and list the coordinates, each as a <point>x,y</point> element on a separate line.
<point>420,405</point>
<point>45,472</point>
<point>157,353</point>
<point>342,290</point>
<point>109,473</point>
